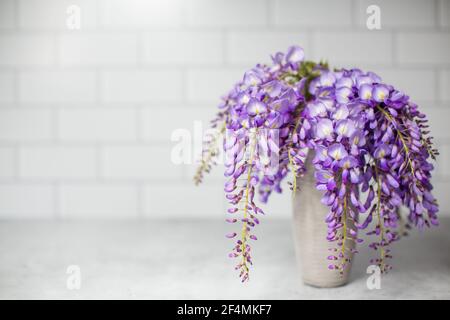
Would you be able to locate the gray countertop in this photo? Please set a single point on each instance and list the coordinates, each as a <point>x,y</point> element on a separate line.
<point>188,260</point>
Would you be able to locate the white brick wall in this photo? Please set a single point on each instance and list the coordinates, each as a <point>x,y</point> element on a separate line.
<point>7,81</point>
<point>86,115</point>
<point>50,14</point>
<point>409,51</point>
<point>306,13</point>
<point>158,123</point>
<point>98,49</point>
<point>204,85</point>
<point>439,122</point>
<point>56,86</point>
<point>139,85</point>
<point>420,83</point>
<point>365,48</point>
<point>442,168</point>
<point>248,47</point>
<point>31,201</point>
<point>25,124</point>
<point>140,13</point>
<point>445,84</point>
<point>7,15</point>
<point>27,49</point>
<point>181,48</point>
<point>226,13</point>
<point>7,162</point>
<point>444,13</point>
<point>97,124</point>
<point>400,13</point>
<point>183,200</point>
<point>144,162</point>
<point>55,163</point>
<point>98,201</point>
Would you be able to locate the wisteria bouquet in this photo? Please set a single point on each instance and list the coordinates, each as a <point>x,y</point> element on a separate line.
<point>369,144</point>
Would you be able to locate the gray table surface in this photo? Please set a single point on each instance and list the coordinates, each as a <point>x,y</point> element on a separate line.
<point>187,260</point>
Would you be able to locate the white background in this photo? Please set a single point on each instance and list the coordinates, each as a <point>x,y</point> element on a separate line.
<point>86,115</point>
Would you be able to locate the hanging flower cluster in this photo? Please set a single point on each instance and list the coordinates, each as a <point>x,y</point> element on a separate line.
<point>368,143</point>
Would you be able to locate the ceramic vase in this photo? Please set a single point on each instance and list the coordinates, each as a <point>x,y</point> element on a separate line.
<point>310,232</point>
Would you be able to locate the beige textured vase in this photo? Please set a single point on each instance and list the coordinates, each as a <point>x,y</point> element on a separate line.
<point>310,232</point>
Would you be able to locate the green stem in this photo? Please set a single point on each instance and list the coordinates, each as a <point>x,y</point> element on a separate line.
<point>206,159</point>
<point>401,137</point>
<point>380,219</point>
<point>247,196</point>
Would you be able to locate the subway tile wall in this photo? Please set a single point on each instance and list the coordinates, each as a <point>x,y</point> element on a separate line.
<point>86,115</point>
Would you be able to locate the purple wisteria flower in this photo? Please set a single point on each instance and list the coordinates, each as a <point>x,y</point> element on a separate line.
<point>370,147</point>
